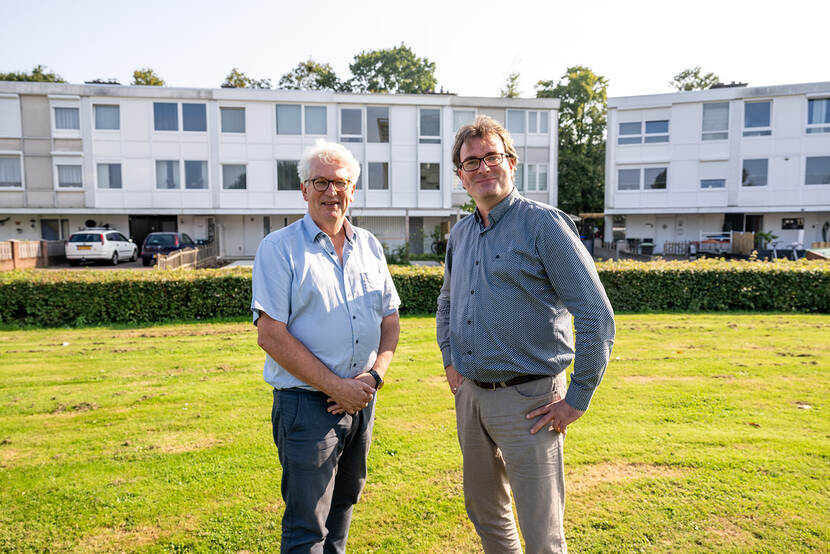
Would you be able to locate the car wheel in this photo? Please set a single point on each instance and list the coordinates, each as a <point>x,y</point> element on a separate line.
<point>74,263</point>
<point>114,259</point>
<point>135,255</point>
<point>147,261</point>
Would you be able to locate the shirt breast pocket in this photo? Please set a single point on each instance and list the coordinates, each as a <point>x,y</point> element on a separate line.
<point>373,284</point>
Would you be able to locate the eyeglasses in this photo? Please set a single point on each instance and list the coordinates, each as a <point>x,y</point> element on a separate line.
<point>491,160</point>
<point>321,184</point>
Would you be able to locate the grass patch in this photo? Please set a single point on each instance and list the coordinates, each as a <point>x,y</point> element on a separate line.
<point>709,433</point>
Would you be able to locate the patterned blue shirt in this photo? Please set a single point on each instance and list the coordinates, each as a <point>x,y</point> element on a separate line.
<point>509,292</point>
<point>334,310</point>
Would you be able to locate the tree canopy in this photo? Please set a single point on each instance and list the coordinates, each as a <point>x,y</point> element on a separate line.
<point>694,79</point>
<point>511,86</point>
<point>39,73</point>
<point>582,116</point>
<point>238,79</point>
<point>147,77</point>
<point>311,75</point>
<point>392,70</point>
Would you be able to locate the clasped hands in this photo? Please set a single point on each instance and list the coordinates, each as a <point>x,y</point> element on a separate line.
<point>351,394</point>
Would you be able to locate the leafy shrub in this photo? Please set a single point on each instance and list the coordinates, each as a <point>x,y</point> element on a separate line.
<point>52,298</point>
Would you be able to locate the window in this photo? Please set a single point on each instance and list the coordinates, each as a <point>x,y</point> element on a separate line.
<point>109,176</point>
<point>194,117</point>
<point>461,118</point>
<point>107,117</point>
<point>818,115</point>
<point>10,175</point>
<point>713,183</point>
<point>166,116</point>
<point>519,176</point>
<point>792,223</point>
<point>657,131</point>
<point>195,174</point>
<point>818,171</point>
<point>755,173</point>
<point>537,122</point>
<point>54,229</point>
<point>654,178</point>
<point>430,126</point>
<point>378,176</point>
<point>715,121</point>
<point>67,118</point>
<point>351,125</point>
<point>233,120</point>
<point>288,119</point>
<point>233,177</point>
<point>315,120</point>
<point>537,177</point>
<point>628,179</point>
<point>377,124</point>
<point>430,176</point>
<point>69,176</point>
<point>515,122</point>
<point>167,174</point>
<point>630,133</point>
<point>287,176</point>
<point>757,118</point>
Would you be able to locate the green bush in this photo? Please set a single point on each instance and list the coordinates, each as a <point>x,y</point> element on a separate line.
<point>53,298</point>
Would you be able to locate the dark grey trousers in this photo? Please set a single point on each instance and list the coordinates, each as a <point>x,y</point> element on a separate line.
<point>323,458</point>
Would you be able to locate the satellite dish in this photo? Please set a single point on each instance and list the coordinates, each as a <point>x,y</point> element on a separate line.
<point>89,223</point>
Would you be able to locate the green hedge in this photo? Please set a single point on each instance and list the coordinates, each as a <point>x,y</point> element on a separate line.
<point>53,298</point>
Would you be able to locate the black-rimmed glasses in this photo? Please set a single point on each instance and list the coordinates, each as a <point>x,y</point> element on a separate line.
<point>321,184</point>
<point>491,160</point>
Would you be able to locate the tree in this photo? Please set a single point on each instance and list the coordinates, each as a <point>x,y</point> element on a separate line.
<point>237,79</point>
<point>147,77</point>
<point>311,75</point>
<point>691,79</point>
<point>393,70</point>
<point>511,86</point>
<point>39,73</point>
<point>583,96</point>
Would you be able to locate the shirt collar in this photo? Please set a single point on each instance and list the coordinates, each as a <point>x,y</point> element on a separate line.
<point>501,208</point>
<point>312,231</point>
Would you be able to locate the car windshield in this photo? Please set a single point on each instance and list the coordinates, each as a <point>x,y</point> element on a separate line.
<point>161,240</point>
<point>85,237</point>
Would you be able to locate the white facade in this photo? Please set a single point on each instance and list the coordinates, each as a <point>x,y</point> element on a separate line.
<point>741,159</point>
<point>222,162</point>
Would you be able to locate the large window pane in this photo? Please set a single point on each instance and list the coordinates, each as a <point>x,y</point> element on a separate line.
<point>543,177</point>
<point>543,122</point>
<point>109,176</point>
<point>195,174</point>
<point>716,121</point>
<point>461,118</point>
<point>288,119</point>
<point>69,176</point>
<point>233,177</point>
<point>516,121</point>
<point>166,116</point>
<point>755,173</point>
<point>654,178</point>
<point>377,124</point>
<point>532,122</point>
<point>430,176</point>
<point>315,120</point>
<point>10,172</point>
<point>628,179</point>
<point>519,176</point>
<point>167,174</point>
<point>713,183</point>
<point>531,177</point>
<point>233,120</point>
<point>107,117</point>
<point>818,170</point>
<point>378,175</point>
<point>351,124</point>
<point>818,111</point>
<point>630,133</point>
<point>430,126</point>
<point>756,114</point>
<point>287,176</point>
<point>67,118</point>
<point>194,117</point>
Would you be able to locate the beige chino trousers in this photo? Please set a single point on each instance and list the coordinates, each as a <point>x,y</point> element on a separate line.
<point>501,455</point>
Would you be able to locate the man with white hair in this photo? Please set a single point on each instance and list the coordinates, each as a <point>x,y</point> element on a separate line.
<point>326,313</point>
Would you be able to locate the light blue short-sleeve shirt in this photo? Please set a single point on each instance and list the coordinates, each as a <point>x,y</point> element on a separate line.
<point>334,310</point>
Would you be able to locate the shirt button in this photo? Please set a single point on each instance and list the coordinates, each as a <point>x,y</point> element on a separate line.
<point>472,292</point>
<point>469,352</point>
<point>497,256</point>
<point>354,365</point>
<point>476,262</point>
<point>469,322</point>
<point>354,317</point>
<point>357,341</point>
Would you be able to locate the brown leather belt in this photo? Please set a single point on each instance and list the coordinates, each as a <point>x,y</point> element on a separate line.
<point>509,383</point>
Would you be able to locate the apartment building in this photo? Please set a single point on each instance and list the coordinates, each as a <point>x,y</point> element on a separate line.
<point>222,163</point>
<point>687,164</point>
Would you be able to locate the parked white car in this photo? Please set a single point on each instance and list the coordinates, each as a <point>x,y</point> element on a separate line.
<point>100,244</point>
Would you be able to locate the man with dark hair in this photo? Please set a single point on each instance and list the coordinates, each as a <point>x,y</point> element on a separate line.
<point>326,312</point>
<point>515,273</point>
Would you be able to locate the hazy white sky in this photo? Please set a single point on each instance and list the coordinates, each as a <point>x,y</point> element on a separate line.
<point>638,45</point>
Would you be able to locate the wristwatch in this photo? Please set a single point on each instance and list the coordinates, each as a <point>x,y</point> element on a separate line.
<point>378,380</point>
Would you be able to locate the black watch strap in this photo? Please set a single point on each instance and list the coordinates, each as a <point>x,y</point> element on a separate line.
<point>378,380</point>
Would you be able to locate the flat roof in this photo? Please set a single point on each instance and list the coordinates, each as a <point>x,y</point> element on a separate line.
<point>726,93</point>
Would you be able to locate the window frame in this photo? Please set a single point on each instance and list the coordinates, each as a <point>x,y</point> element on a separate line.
<point>222,178</point>
<point>709,188</point>
<point>95,118</point>
<point>62,161</point>
<point>421,173</point>
<point>277,175</point>
<point>757,132</point>
<point>766,176</point>
<point>385,171</point>
<point>98,164</point>
<point>806,161</point>
<point>177,173</point>
<point>703,132</point>
<point>234,109</point>
<point>817,128</point>
<point>536,177</point>
<point>19,156</point>
<point>537,117</point>
<point>523,119</point>
<point>461,111</point>
<point>206,175</point>
<point>366,124</point>
<point>344,137</point>
<point>292,106</point>
<point>55,118</point>
<point>428,139</point>
<point>157,114</point>
<point>181,110</point>
<point>323,107</point>
<point>641,178</point>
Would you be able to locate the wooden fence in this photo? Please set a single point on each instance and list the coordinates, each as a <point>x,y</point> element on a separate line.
<point>23,254</point>
<point>189,258</point>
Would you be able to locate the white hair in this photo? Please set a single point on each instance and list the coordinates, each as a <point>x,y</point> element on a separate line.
<point>328,153</point>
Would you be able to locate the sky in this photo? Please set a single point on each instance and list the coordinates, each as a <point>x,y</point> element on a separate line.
<point>637,45</point>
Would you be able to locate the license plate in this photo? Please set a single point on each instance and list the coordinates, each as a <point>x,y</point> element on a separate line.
<point>84,248</point>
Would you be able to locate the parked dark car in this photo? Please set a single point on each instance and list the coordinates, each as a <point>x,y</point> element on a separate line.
<point>163,243</point>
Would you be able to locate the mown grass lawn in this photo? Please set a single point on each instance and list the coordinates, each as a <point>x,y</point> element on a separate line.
<point>709,433</point>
